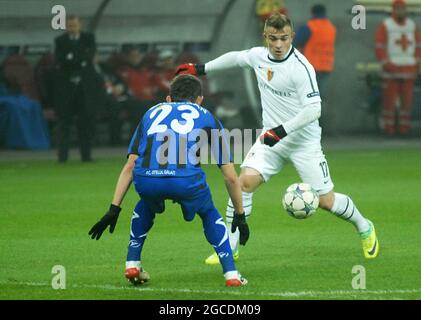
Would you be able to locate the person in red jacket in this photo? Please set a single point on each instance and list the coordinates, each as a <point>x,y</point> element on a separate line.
<point>138,77</point>
<point>398,49</point>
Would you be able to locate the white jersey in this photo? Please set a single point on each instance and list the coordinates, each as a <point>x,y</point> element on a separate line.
<point>286,86</point>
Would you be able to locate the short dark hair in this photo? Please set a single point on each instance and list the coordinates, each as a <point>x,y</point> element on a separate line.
<point>318,10</point>
<point>185,87</point>
<point>278,21</point>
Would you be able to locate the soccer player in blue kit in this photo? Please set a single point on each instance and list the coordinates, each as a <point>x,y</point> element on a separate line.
<point>164,164</point>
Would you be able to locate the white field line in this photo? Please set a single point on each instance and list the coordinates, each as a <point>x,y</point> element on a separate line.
<point>240,292</point>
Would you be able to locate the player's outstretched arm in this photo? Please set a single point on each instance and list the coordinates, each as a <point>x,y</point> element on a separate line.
<point>226,61</point>
<point>111,216</point>
<point>234,190</point>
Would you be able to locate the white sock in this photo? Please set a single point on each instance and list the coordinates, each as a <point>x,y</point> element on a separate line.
<point>344,208</point>
<point>132,264</point>
<point>247,205</point>
<point>231,275</point>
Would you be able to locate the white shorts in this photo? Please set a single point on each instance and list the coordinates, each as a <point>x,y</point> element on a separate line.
<point>308,160</point>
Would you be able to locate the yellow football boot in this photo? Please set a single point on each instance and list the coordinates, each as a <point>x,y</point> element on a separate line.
<point>214,259</point>
<point>370,242</point>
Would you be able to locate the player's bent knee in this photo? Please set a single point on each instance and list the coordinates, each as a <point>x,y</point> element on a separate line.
<point>247,188</point>
<point>249,184</point>
<point>250,179</point>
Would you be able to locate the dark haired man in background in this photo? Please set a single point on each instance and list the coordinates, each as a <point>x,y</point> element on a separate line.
<point>76,88</point>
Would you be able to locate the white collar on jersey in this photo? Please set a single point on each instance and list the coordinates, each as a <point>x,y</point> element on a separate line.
<point>290,51</point>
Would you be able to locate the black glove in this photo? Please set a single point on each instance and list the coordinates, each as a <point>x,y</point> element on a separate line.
<point>272,136</point>
<point>239,221</point>
<point>109,219</point>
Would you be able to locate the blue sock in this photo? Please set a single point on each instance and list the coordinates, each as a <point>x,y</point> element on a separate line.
<point>217,235</point>
<point>142,222</point>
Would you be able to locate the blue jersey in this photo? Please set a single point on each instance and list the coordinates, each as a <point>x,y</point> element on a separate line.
<point>172,138</point>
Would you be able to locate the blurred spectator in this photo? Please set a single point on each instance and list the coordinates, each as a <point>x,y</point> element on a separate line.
<point>22,123</point>
<point>76,89</point>
<point>138,73</point>
<point>165,72</point>
<point>19,76</point>
<point>116,61</point>
<point>186,57</point>
<point>114,85</point>
<point>398,48</point>
<point>139,76</point>
<point>115,100</point>
<point>316,40</point>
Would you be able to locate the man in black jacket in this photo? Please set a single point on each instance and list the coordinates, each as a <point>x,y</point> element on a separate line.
<point>76,88</point>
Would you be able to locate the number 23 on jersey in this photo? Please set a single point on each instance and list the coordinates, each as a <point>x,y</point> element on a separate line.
<point>188,113</point>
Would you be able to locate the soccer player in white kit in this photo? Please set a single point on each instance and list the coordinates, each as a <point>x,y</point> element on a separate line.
<point>291,133</point>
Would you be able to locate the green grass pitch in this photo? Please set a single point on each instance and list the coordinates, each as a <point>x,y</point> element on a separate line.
<point>47,210</point>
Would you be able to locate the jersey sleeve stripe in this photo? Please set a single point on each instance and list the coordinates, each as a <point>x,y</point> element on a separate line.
<point>308,73</point>
<point>148,150</point>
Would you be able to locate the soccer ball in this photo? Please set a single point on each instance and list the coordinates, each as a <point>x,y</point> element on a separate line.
<point>300,200</point>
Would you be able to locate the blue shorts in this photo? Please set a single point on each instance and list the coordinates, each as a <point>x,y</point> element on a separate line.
<point>192,193</point>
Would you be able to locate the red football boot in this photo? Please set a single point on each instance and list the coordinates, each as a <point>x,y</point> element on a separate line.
<point>137,276</point>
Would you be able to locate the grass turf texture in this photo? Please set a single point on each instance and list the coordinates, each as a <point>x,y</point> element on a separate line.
<point>47,210</point>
